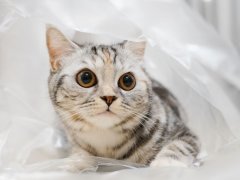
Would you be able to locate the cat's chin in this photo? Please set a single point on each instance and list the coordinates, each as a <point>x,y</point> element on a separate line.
<point>106,119</point>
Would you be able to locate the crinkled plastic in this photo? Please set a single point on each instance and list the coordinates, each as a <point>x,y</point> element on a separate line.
<point>183,53</point>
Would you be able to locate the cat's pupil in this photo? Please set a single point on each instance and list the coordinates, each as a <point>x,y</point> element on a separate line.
<point>86,77</point>
<point>127,80</point>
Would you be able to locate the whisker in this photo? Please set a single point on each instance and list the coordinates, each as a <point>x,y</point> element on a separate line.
<point>136,115</point>
<point>132,110</point>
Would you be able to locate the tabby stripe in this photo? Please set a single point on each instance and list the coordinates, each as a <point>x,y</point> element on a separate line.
<point>58,85</point>
<point>156,149</point>
<point>131,133</point>
<point>101,54</point>
<point>165,128</point>
<point>175,148</point>
<point>141,140</point>
<point>193,145</point>
<point>115,55</point>
<point>185,132</point>
<point>87,147</point>
<point>190,150</point>
<point>172,156</point>
<point>124,121</point>
<point>94,50</point>
<point>91,149</point>
<point>166,96</point>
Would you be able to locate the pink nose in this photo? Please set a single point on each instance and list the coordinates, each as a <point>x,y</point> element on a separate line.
<point>109,99</point>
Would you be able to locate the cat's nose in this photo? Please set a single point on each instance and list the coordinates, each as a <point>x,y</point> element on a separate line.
<point>109,99</point>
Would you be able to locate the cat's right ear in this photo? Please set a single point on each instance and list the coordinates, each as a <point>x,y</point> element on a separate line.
<point>58,46</point>
<point>137,48</point>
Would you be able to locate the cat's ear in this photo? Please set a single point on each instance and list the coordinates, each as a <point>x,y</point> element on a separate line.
<point>58,46</point>
<point>137,48</point>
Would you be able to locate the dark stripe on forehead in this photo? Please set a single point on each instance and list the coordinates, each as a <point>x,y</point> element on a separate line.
<point>94,50</point>
<point>113,49</point>
<point>99,52</point>
<point>114,52</point>
<point>102,49</point>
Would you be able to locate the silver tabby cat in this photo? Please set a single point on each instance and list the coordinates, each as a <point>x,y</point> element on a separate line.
<point>110,107</point>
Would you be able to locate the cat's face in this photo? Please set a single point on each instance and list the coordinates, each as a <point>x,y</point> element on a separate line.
<point>99,85</point>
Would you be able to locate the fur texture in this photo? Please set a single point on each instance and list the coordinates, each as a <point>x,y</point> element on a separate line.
<point>143,125</point>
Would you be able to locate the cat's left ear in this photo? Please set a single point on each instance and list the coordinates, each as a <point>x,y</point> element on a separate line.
<point>137,48</point>
<point>58,46</point>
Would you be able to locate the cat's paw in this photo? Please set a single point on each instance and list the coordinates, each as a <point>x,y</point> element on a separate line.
<point>77,164</point>
<point>167,162</point>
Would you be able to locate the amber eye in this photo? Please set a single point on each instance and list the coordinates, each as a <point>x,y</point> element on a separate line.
<point>127,81</point>
<point>86,78</point>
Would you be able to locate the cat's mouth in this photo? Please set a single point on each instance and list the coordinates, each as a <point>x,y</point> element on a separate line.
<point>107,113</point>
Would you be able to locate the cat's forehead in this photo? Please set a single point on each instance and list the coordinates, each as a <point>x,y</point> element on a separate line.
<point>107,54</point>
<point>103,55</point>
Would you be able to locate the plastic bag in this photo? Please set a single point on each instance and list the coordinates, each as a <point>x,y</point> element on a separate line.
<point>183,53</point>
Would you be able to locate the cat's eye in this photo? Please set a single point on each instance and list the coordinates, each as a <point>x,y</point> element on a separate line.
<point>127,81</point>
<point>86,78</point>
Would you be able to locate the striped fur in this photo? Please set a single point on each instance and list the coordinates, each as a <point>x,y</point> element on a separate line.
<point>146,125</point>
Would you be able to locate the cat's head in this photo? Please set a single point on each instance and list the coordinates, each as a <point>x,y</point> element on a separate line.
<point>99,85</point>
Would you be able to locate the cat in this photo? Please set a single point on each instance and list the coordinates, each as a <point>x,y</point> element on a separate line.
<point>110,107</point>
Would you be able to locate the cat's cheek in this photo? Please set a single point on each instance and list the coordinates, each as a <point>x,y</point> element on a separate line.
<point>98,108</point>
<point>117,109</point>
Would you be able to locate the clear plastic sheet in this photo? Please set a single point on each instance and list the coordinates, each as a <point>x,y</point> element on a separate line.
<point>183,53</point>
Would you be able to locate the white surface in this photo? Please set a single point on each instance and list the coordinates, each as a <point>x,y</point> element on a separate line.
<point>223,165</point>
<point>183,53</point>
